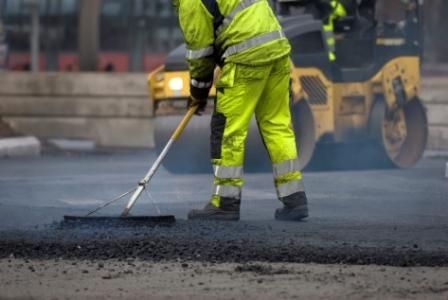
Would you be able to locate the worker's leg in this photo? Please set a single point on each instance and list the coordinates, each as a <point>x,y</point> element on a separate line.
<point>274,120</point>
<point>238,91</point>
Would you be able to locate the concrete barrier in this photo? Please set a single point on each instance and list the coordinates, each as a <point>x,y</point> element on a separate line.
<point>111,109</point>
<point>435,96</point>
<point>19,146</point>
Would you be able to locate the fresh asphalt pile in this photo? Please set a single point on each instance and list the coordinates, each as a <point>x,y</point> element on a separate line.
<point>240,242</point>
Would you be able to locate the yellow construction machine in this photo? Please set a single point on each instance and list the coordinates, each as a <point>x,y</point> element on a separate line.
<point>361,110</point>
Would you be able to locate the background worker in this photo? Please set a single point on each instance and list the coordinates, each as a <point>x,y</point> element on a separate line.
<point>336,11</point>
<point>245,39</point>
<point>330,11</point>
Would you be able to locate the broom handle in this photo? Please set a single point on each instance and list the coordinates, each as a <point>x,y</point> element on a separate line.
<point>142,184</point>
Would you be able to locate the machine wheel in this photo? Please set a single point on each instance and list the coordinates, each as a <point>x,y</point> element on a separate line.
<point>303,123</point>
<point>191,152</point>
<point>401,134</point>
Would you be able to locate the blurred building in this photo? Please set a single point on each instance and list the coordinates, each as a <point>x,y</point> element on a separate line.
<point>134,35</point>
<point>4,48</point>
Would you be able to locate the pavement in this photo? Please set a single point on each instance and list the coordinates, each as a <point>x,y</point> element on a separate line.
<point>385,216</point>
<point>371,234</point>
<point>139,279</point>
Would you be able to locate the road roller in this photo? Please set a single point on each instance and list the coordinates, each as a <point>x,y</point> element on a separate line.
<point>361,110</point>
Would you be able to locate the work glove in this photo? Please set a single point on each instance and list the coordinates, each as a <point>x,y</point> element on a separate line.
<point>199,90</point>
<point>201,103</point>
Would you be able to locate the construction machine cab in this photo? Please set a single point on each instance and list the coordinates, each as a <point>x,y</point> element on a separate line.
<point>367,45</point>
<point>308,48</point>
<point>365,40</point>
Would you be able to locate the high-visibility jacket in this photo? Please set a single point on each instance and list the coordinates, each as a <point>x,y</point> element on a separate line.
<point>219,31</point>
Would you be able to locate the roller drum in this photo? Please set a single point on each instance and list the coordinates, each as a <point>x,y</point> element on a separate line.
<point>402,134</point>
<point>393,139</point>
<point>191,152</point>
<point>304,129</point>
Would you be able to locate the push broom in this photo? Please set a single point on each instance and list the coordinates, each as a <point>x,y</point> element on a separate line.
<point>137,191</point>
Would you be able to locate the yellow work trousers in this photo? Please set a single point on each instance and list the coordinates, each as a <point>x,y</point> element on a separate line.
<point>242,91</point>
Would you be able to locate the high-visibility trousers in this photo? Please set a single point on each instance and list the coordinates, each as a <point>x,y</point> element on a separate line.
<point>242,91</point>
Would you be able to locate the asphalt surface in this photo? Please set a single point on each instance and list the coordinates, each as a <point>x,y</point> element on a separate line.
<point>386,216</point>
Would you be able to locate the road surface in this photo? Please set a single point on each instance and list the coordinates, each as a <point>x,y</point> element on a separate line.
<point>390,218</point>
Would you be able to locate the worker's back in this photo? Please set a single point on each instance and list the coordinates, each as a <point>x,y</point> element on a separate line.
<point>235,22</point>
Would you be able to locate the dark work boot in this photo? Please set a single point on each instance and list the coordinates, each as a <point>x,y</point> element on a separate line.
<point>294,208</point>
<point>228,210</point>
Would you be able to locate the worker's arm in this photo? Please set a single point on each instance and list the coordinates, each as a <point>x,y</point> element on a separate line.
<point>197,26</point>
<point>338,9</point>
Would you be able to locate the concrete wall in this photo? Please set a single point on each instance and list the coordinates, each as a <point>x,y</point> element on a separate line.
<point>111,109</point>
<point>435,96</point>
<point>114,110</point>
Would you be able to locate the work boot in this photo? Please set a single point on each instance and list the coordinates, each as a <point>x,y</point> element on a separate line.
<point>294,208</point>
<point>228,210</point>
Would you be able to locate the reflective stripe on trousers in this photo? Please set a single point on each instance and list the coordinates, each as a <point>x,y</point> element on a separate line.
<point>288,188</point>
<point>285,167</point>
<point>227,191</point>
<point>287,178</point>
<point>223,172</point>
<point>227,183</point>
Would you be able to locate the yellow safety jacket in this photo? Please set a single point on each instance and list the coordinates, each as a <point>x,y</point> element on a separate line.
<point>222,31</point>
<point>337,11</point>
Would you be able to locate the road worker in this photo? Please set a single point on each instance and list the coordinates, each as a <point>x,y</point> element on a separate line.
<point>328,11</point>
<point>244,38</point>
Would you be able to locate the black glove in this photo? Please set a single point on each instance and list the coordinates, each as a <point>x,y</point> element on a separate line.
<point>199,90</point>
<point>202,103</point>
